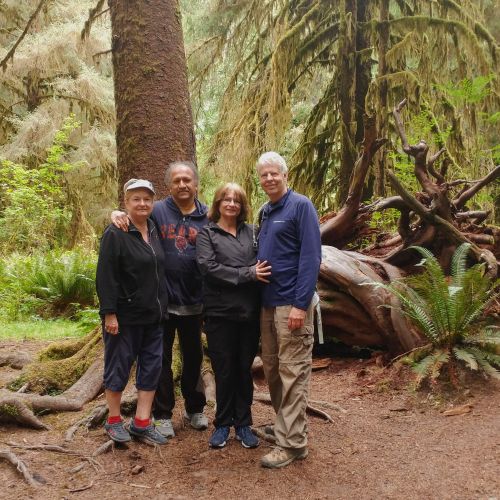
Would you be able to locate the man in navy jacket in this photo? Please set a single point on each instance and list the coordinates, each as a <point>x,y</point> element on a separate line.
<point>179,218</point>
<point>289,240</point>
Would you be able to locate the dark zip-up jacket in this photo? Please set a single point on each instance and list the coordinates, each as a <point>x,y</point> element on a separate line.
<point>227,264</point>
<point>178,238</point>
<point>289,239</point>
<point>130,276</point>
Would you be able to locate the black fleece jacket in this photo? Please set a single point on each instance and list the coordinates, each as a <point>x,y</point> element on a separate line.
<point>130,276</point>
<point>227,264</point>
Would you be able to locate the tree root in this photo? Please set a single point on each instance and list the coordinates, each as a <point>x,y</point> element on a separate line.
<point>16,360</point>
<point>263,435</point>
<point>20,407</point>
<point>104,448</point>
<point>311,410</point>
<point>20,467</point>
<point>92,420</point>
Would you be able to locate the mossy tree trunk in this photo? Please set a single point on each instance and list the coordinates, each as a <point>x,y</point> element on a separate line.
<point>154,120</point>
<point>346,57</point>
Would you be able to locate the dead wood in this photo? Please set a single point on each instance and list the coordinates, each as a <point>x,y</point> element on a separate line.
<point>264,435</point>
<point>82,488</point>
<point>20,466</point>
<point>466,195</point>
<point>20,407</point>
<point>336,230</point>
<point>95,418</point>
<point>208,380</point>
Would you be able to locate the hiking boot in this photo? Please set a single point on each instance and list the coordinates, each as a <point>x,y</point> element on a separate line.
<point>197,421</point>
<point>247,438</point>
<point>219,437</point>
<point>164,427</point>
<point>147,434</point>
<point>117,432</point>
<point>281,457</point>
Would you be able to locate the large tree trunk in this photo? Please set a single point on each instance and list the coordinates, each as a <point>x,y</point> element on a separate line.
<point>154,120</point>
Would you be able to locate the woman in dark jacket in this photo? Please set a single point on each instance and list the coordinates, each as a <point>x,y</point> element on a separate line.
<point>226,255</point>
<point>132,298</point>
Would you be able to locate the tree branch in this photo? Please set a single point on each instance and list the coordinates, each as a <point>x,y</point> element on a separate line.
<point>466,195</point>
<point>10,54</point>
<point>93,15</point>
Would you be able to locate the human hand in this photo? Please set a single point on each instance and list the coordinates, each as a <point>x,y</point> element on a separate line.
<point>120,220</point>
<point>111,324</point>
<point>262,271</point>
<point>296,318</point>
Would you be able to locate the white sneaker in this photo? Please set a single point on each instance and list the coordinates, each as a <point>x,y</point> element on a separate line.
<point>164,427</point>
<point>197,421</point>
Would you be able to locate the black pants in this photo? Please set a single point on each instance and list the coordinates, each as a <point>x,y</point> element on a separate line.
<point>141,343</point>
<point>189,331</point>
<point>232,346</point>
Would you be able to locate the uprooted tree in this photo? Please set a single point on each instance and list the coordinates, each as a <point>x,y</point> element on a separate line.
<point>436,218</point>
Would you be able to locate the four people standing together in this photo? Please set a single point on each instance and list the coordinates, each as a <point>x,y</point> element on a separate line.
<point>268,272</point>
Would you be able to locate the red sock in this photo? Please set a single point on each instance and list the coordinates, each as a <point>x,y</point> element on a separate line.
<point>114,420</point>
<point>141,423</point>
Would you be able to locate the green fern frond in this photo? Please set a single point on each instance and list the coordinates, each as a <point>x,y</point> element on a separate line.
<point>467,357</point>
<point>430,366</point>
<point>459,263</point>
<point>486,360</point>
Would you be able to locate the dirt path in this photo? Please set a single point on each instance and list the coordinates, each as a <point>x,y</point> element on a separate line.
<point>390,444</point>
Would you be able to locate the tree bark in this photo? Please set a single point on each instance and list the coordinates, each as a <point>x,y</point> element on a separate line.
<point>347,97</point>
<point>154,120</point>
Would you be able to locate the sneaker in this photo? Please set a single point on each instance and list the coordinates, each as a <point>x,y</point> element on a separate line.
<point>219,437</point>
<point>247,438</point>
<point>164,427</point>
<point>147,434</point>
<point>197,421</point>
<point>117,432</point>
<point>281,457</point>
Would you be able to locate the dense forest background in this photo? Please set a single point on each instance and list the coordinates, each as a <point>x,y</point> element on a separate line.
<point>295,76</point>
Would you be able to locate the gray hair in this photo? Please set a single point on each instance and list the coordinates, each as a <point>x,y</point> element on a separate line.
<point>181,163</point>
<point>272,158</point>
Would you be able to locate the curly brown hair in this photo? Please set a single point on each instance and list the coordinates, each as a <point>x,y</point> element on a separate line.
<point>239,194</point>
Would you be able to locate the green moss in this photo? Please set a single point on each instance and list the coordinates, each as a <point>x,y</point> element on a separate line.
<point>9,410</point>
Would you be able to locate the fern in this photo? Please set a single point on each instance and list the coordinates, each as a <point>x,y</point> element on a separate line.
<point>447,311</point>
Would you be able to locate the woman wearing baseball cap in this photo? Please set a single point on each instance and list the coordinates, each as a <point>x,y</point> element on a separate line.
<point>132,298</point>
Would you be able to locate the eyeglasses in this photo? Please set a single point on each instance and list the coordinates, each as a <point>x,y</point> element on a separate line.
<point>228,201</point>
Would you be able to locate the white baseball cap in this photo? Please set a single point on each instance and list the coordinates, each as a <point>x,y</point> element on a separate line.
<point>138,183</point>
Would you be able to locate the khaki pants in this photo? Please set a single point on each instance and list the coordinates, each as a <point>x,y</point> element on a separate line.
<point>287,359</point>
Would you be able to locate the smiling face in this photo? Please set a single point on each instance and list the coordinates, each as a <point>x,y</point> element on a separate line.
<point>139,203</point>
<point>183,184</point>
<point>230,205</point>
<point>272,180</point>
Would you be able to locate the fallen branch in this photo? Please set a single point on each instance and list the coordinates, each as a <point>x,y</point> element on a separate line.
<point>264,435</point>
<point>20,467</point>
<point>82,488</point>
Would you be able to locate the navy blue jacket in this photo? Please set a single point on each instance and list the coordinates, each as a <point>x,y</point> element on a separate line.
<point>178,238</point>
<point>129,278</point>
<point>289,240</point>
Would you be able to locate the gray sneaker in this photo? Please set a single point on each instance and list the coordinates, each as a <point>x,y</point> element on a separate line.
<point>147,434</point>
<point>197,421</point>
<point>117,432</point>
<point>164,427</point>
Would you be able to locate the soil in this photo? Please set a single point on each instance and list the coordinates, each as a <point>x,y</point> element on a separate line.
<point>391,443</point>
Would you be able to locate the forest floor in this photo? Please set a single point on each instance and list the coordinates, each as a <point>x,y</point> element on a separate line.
<point>391,443</point>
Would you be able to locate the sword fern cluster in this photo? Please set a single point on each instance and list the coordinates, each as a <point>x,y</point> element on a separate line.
<point>448,312</point>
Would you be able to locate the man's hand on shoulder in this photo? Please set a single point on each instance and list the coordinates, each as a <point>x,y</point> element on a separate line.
<point>296,318</point>
<point>120,220</point>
